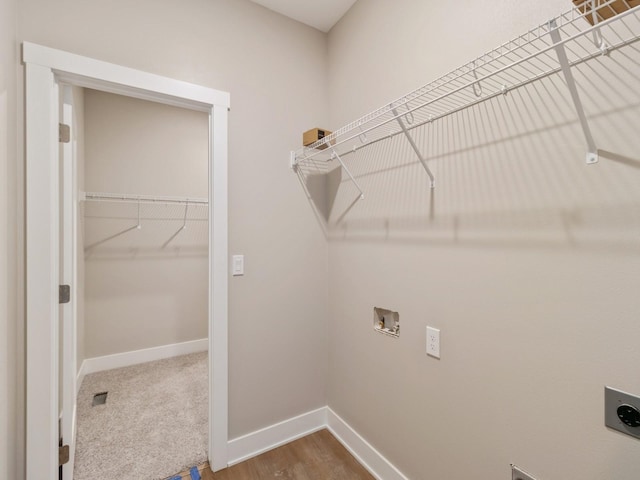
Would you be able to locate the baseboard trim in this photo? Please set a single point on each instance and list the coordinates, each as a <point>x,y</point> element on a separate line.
<point>261,441</point>
<point>363,451</point>
<point>126,359</point>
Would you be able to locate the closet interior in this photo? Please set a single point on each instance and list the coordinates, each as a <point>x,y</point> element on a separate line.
<point>143,257</point>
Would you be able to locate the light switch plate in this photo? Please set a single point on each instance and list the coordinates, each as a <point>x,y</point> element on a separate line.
<point>613,400</point>
<point>518,474</point>
<point>238,265</point>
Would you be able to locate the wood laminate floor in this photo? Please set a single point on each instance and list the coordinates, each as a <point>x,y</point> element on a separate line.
<point>318,456</point>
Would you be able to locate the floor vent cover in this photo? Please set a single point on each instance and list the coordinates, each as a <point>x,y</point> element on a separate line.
<point>99,399</point>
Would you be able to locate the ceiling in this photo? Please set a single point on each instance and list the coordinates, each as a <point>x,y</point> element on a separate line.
<point>319,14</point>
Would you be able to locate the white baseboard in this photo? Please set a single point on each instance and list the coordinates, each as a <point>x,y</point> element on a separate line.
<point>263,440</point>
<point>260,441</point>
<point>362,450</point>
<point>126,359</point>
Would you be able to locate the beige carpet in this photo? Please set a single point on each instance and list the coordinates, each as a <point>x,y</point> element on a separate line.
<point>153,424</point>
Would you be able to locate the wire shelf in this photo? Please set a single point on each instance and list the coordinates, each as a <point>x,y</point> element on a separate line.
<point>590,30</point>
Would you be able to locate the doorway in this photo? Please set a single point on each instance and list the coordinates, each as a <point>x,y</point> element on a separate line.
<point>45,70</point>
<point>142,281</point>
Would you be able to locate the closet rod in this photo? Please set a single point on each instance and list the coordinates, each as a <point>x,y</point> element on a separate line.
<point>126,198</point>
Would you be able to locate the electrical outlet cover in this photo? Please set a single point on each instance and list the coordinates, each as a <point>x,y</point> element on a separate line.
<point>433,342</point>
<point>518,474</point>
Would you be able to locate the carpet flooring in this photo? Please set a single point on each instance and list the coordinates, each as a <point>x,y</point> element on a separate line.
<point>154,422</point>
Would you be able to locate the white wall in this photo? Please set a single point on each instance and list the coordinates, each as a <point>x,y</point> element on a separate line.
<point>528,267</point>
<point>141,291</point>
<point>275,70</point>
<point>9,381</point>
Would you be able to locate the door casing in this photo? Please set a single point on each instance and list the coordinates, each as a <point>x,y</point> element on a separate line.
<point>45,69</point>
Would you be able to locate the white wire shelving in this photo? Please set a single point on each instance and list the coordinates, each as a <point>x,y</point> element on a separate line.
<point>592,29</point>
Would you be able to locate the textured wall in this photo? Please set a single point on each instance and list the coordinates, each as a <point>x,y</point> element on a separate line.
<point>275,70</point>
<point>525,257</point>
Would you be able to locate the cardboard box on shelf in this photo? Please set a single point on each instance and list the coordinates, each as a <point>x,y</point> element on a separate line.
<point>604,12</point>
<point>311,136</point>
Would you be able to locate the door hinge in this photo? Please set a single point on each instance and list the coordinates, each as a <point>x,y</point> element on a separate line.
<point>63,455</point>
<point>64,133</point>
<point>64,294</point>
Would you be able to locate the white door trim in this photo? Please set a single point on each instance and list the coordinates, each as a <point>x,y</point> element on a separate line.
<point>41,273</point>
<point>44,68</point>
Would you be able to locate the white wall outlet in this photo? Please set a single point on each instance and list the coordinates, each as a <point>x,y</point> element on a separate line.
<point>433,342</point>
<point>238,265</point>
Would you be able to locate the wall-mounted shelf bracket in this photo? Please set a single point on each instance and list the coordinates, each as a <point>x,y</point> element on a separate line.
<point>592,152</point>
<point>335,155</point>
<point>293,161</point>
<point>598,39</point>
<point>423,161</point>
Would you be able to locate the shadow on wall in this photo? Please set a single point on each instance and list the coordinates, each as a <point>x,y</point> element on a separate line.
<point>322,189</point>
<point>509,171</point>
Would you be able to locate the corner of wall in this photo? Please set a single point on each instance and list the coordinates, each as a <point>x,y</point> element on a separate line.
<point>11,366</point>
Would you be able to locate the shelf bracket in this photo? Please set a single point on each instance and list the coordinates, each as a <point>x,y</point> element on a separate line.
<point>598,39</point>
<point>335,155</point>
<point>423,161</point>
<point>592,152</point>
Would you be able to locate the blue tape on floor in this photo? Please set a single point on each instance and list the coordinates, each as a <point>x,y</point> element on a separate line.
<point>177,477</point>
<point>195,474</point>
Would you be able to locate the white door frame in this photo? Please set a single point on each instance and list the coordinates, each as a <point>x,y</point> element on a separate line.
<point>44,68</point>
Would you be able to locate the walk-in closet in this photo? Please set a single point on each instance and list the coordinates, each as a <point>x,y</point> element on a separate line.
<point>142,406</point>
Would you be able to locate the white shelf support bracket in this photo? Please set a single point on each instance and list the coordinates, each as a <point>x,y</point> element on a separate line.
<point>477,86</point>
<point>598,39</point>
<point>423,161</point>
<point>293,161</point>
<point>335,155</point>
<point>592,152</point>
